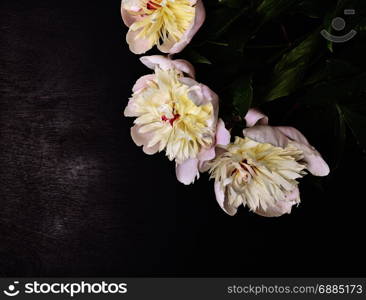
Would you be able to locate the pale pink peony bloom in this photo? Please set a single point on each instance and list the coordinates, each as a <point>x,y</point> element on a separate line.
<point>168,24</point>
<point>261,170</point>
<point>176,114</point>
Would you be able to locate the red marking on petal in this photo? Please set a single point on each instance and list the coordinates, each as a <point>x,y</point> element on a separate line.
<point>152,5</point>
<point>172,120</point>
<point>176,117</point>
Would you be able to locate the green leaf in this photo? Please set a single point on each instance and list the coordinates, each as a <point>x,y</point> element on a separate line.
<point>270,9</point>
<point>232,3</point>
<point>356,120</point>
<point>314,9</point>
<point>332,69</point>
<point>195,57</point>
<point>344,91</point>
<point>242,91</point>
<point>342,135</point>
<point>290,71</point>
<point>231,19</point>
<point>247,28</point>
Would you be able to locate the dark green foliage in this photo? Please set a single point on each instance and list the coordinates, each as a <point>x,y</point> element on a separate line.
<point>270,54</point>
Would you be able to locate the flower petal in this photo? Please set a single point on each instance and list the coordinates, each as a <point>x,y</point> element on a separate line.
<point>210,95</point>
<point>127,18</point>
<point>282,136</point>
<point>220,195</point>
<point>206,155</point>
<point>142,139</point>
<point>138,45</point>
<point>141,83</point>
<point>222,134</point>
<point>315,163</point>
<point>131,5</point>
<point>201,94</point>
<point>221,200</point>
<point>166,46</point>
<point>205,96</point>
<point>222,138</point>
<point>188,81</point>
<point>130,110</point>
<point>170,47</point>
<point>160,61</point>
<point>187,171</point>
<point>266,134</point>
<point>254,117</point>
<point>282,206</point>
<point>185,66</point>
<point>166,63</point>
<point>293,134</point>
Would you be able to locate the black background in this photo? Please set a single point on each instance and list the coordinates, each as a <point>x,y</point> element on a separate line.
<point>78,198</point>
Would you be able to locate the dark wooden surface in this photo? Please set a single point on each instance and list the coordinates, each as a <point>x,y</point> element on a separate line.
<point>78,198</point>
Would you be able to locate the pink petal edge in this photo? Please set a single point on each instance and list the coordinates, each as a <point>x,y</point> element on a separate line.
<point>187,171</point>
<point>223,135</point>
<point>142,139</point>
<point>137,45</point>
<point>254,117</point>
<point>282,206</point>
<point>173,48</point>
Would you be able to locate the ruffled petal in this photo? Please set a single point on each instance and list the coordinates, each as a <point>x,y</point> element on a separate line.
<point>266,134</point>
<point>315,163</point>
<point>172,47</point>
<point>138,45</point>
<point>211,96</point>
<point>201,94</point>
<point>157,61</point>
<point>127,18</point>
<point>187,171</point>
<point>282,206</point>
<point>282,137</point>
<point>142,139</point>
<point>185,66</point>
<point>221,200</point>
<point>222,138</point>
<point>222,134</point>
<point>220,195</point>
<point>293,134</point>
<point>255,117</point>
<point>141,83</point>
<point>130,110</point>
<point>206,154</point>
<point>166,63</point>
<point>166,46</point>
<point>131,5</point>
<point>188,81</point>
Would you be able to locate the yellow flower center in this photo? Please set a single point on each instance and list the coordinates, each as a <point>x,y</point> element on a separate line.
<point>164,20</point>
<point>166,111</point>
<point>257,174</point>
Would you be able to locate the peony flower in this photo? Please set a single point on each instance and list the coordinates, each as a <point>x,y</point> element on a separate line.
<point>168,24</point>
<point>261,170</point>
<point>174,114</point>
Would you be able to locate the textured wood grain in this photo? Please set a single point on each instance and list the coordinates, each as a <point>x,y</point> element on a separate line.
<point>77,197</point>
